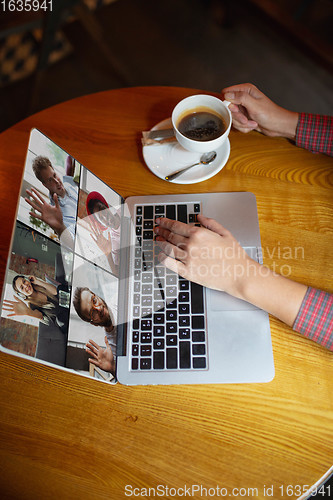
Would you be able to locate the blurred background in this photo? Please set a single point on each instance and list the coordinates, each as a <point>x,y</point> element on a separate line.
<point>285,47</point>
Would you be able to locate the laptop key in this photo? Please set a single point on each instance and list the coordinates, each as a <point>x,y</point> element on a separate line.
<point>147,266</point>
<point>159,331</point>
<point>199,362</point>
<point>148,212</point>
<point>148,235</point>
<point>171,357</point>
<point>147,245</point>
<point>158,343</point>
<point>148,224</point>
<point>136,311</point>
<point>135,350</point>
<point>159,318</point>
<point>158,360</point>
<point>147,312</point>
<point>184,333</point>
<point>198,336</point>
<point>147,289</point>
<point>197,305</point>
<point>148,255</point>
<point>146,300</point>
<point>171,327</point>
<point>171,279</point>
<point>159,271</point>
<point>171,212</point>
<point>182,213</point>
<point>171,304</point>
<point>145,350</point>
<point>184,321</point>
<point>136,336</point>
<point>135,363</point>
<point>136,324</point>
<point>184,285</point>
<point>138,210</point>
<point>171,291</point>
<point>146,324</point>
<point>171,315</point>
<point>171,340</point>
<point>158,294</point>
<point>184,308</point>
<point>145,337</point>
<point>184,297</point>
<point>198,322</point>
<point>184,355</point>
<point>159,209</point>
<point>198,349</point>
<point>196,207</point>
<point>145,364</point>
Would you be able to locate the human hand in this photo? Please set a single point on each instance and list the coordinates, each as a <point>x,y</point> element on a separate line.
<point>104,244</point>
<point>49,214</point>
<point>208,255</point>
<point>16,307</point>
<point>36,281</point>
<point>253,110</point>
<point>103,358</point>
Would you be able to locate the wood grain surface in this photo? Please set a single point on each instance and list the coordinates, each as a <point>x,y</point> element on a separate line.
<point>65,436</point>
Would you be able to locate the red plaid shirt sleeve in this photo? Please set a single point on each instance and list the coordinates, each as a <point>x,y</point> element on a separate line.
<point>315,317</point>
<point>315,132</point>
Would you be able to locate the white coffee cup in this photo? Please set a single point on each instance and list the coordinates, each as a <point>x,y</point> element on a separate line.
<point>194,104</point>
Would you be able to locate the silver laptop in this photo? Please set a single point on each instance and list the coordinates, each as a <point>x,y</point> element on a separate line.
<point>101,284</point>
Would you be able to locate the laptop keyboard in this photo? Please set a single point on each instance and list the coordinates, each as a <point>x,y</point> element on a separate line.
<point>168,328</point>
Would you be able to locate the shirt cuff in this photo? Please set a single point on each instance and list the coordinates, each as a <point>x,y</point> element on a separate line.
<point>315,133</point>
<point>315,317</point>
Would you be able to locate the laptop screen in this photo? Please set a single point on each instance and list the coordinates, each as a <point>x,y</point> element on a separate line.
<point>60,293</point>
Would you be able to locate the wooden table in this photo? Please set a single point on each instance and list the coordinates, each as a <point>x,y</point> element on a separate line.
<point>64,436</point>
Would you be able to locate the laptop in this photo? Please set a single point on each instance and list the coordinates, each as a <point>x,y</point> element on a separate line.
<point>88,294</point>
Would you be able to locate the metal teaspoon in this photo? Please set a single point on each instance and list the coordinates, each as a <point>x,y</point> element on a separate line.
<point>205,159</point>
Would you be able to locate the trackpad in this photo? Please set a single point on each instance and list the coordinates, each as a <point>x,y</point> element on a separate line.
<point>222,301</point>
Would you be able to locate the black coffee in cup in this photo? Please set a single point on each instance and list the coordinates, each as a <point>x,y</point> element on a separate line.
<point>201,124</point>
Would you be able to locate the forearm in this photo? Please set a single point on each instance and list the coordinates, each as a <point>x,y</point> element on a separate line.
<point>273,293</point>
<point>288,124</point>
<point>50,289</point>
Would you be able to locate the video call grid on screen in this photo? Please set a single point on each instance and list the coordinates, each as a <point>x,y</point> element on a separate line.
<point>45,273</point>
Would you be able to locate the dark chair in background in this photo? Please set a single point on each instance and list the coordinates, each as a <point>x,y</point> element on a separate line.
<point>51,22</point>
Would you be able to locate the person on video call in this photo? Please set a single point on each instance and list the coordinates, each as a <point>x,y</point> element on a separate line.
<point>93,309</point>
<point>39,300</point>
<point>103,218</point>
<point>60,213</point>
<point>226,266</point>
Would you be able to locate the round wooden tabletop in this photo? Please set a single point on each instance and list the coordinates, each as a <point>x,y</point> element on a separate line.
<point>67,436</point>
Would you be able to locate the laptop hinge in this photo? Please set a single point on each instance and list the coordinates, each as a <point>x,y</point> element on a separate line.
<point>123,284</point>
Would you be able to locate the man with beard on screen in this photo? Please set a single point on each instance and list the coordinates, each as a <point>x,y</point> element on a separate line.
<point>93,309</point>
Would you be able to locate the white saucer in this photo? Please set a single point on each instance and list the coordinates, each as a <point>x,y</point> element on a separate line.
<point>166,158</point>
